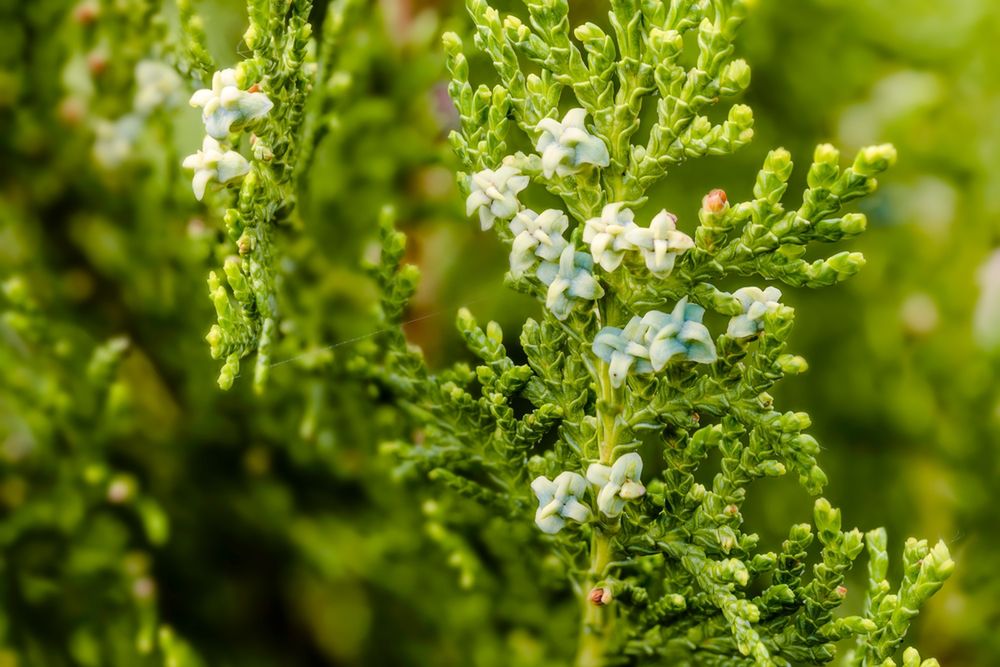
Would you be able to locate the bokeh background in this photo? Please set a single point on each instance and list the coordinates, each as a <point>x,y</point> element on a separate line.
<point>147,517</point>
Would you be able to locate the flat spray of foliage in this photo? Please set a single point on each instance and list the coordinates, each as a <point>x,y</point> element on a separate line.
<point>270,102</point>
<point>627,391</point>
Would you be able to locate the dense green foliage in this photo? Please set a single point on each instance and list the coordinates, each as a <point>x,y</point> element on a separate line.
<point>348,502</point>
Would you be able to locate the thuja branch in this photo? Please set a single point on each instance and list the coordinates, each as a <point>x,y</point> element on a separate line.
<point>253,183</point>
<point>622,363</point>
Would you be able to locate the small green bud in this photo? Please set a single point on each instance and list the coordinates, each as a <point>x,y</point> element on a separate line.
<point>665,43</point>
<point>229,371</point>
<point>452,42</point>
<point>741,115</point>
<point>250,36</point>
<point>825,167</point>
<point>589,32</point>
<point>735,77</point>
<point>674,602</point>
<point>779,162</point>
<point>827,520</point>
<point>853,224</point>
<point>220,299</point>
<point>857,624</point>
<point>815,480</point>
<point>494,333</point>
<point>793,422</point>
<point>911,658</point>
<point>807,444</point>
<point>792,364</point>
<point>873,160</point>
<point>826,154</point>
<point>772,468</point>
<point>214,338</point>
<point>465,320</point>
<point>485,375</point>
<point>846,263</point>
<point>853,543</point>
<point>512,24</point>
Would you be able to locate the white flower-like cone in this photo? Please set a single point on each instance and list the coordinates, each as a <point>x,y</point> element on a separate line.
<point>538,235</point>
<point>157,85</point>
<point>225,108</point>
<point>660,243</point>
<point>756,303</point>
<point>679,334</point>
<point>622,349</point>
<point>212,163</point>
<point>567,147</point>
<point>608,235</point>
<point>494,194</point>
<point>558,500</point>
<point>571,278</point>
<point>619,483</point>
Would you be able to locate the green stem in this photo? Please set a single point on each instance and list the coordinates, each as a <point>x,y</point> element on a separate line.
<point>596,620</point>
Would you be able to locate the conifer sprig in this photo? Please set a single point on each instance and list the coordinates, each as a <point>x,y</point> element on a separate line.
<point>623,368</point>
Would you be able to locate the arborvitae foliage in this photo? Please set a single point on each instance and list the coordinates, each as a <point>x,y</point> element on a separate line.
<point>907,384</point>
<point>280,100</point>
<point>627,399</point>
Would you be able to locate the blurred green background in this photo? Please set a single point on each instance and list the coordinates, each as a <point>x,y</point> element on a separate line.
<point>134,495</point>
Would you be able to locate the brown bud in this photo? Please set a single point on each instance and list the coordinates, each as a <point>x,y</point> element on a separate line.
<point>255,88</point>
<point>97,62</point>
<point>600,596</point>
<point>732,510</point>
<point>86,12</point>
<point>715,201</point>
<point>841,591</point>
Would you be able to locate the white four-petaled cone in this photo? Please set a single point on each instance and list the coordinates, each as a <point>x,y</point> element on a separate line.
<point>608,235</point>
<point>567,147</point>
<point>572,278</point>
<point>756,303</point>
<point>213,163</point>
<point>660,243</point>
<point>494,194</point>
<point>537,236</point>
<point>558,500</point>
<point>619,483</point>
<point>226,108</point>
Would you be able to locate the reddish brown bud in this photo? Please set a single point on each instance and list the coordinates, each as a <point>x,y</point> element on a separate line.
<point>841,591</point>
<point>600,596</point>
<point>255,88</point>
<point>86,13</point>
<point>732,510</point>
<point>97,63</point>
<point>715,201</point>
